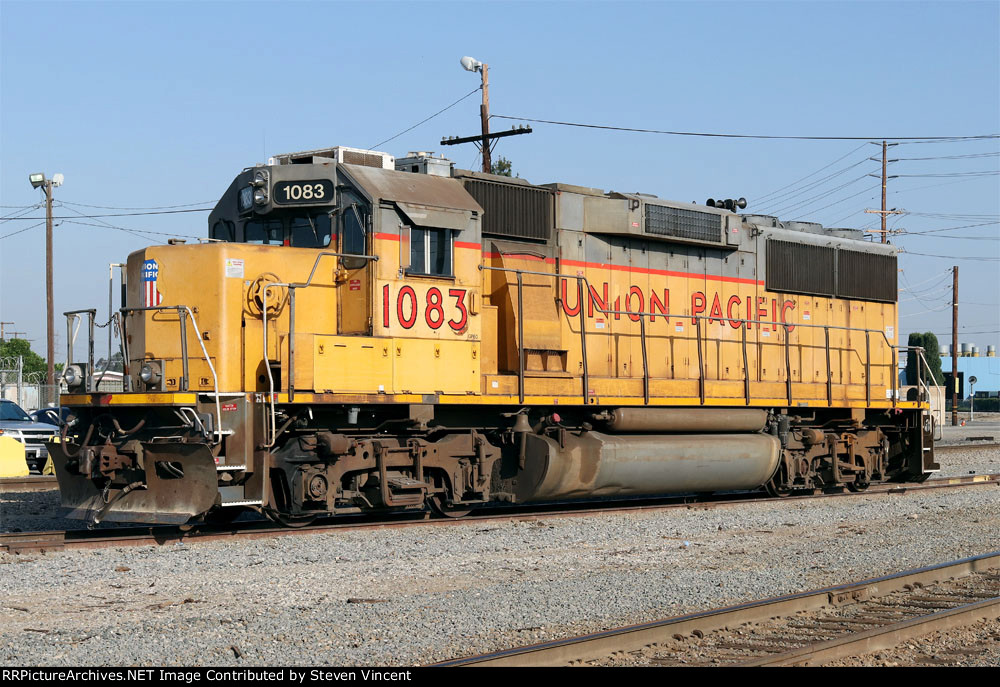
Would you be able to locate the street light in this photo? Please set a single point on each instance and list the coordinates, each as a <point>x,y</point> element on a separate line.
<point>471,64</point>
<point>38,180</point>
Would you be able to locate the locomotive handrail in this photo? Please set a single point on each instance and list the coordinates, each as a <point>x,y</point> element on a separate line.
<point>921,383</point>
<point>272,427</point>
<point>183,312</point>
<point>71,317</point>
<point>582,280</point>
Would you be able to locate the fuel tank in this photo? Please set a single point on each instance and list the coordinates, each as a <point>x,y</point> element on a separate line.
<point>683,420</point>
<point>594,464</point>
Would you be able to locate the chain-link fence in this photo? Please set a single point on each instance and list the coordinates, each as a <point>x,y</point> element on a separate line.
<point>27,389</point>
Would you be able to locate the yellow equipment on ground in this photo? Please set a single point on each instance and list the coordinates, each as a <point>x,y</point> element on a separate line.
<point>12,459</point>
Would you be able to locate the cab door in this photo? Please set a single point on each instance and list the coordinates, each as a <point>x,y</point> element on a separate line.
<point>354,275</point>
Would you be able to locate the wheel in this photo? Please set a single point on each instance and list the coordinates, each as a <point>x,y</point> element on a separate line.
<point>858,486</point>
<point>439,506</point>
<point>776,489</point>
<point>290,520</point>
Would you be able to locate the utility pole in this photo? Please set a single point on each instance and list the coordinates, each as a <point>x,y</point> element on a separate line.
<point>884,212</point>
<point>50,346</point>
<point>954,347</point>
<point>484,114</point>
<point>470,64</point>
<point>37,180</point>
<point>884,165</point>
<point>1,329</point>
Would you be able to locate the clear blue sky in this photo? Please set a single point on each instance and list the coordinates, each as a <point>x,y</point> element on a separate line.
<point>145,104</point>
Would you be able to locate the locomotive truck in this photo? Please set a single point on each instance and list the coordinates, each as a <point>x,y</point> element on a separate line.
<point>362,333</point>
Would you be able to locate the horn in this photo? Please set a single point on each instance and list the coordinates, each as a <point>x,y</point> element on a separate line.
<point>741,203</point>
<point>710,203</point>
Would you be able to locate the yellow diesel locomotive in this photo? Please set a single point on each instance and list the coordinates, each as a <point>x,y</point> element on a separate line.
<point>363,333</point>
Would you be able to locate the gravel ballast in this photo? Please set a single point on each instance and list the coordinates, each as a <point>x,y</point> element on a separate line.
<point>422,594</point>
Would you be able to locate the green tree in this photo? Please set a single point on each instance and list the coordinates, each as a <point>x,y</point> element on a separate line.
<point>117,363</point>
<point>932,352</point>
<point>502,167</point>
<point>915,339</point>
<point>19,348</point>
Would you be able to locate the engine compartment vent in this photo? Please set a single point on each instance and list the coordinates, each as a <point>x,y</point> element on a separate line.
<point>682,223</point>
<point>514,211</point>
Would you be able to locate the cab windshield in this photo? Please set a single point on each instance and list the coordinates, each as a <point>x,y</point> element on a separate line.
<point>300,231</point>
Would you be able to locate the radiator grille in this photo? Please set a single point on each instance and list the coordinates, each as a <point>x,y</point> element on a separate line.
<point>825,271</point>
<point>517,211</point>
<point>800,268</point>
<point>683,224</point>
<point>866,277</point>
<point>352,157</point>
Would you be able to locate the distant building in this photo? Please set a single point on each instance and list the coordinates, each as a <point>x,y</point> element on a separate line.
<point>986,369</point>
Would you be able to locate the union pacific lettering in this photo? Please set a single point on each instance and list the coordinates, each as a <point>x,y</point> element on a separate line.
<point>735,310</point>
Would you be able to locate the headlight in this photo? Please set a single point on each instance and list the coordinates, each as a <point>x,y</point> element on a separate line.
<point>260,178</point>
<point>73,376</point>
<point>149,373</point>
<point>260,196</point>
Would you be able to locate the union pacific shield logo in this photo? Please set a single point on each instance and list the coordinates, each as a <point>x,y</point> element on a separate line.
<point>150,273</point>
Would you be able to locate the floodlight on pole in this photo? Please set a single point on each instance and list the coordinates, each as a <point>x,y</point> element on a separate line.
<point>471,64</point>
<point>38,180</point>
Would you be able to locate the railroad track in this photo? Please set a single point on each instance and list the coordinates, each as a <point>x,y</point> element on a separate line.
<point>810,628</point>
<point>23,542</point>
<point>29,483</point>
<point>952,448</point>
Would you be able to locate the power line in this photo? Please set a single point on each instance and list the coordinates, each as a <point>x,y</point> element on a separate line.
<point>838,202</point>
<point>964,226</point>
<point>125,214</point>
<point>20,215</point>
<point>155,207</point>
<point>758,136</point>
<point>985,173</point>
<point>135,232</point>
<point>918,188</point>
<point>823,194</point>
<point>789,195</point>
<point>20,231</point>
<point>771,193</point>
<point>950,257</point>
<point>948,157</point>
<point>474,90</point>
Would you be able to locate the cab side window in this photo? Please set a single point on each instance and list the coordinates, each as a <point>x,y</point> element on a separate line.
<point>431,252</point>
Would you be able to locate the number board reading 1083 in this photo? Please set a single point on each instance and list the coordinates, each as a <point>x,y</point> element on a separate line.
<point>309,191</point>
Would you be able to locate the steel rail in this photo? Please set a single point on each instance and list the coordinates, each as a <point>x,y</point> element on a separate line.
<point>885,637</point>
<point>955,448</point>
<point>29,483</point>
<point>16,542</point>
<point>603,644</point>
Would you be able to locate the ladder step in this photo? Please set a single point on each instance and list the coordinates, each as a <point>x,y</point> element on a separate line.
<point>241,503</point>
<point>220,468</point>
